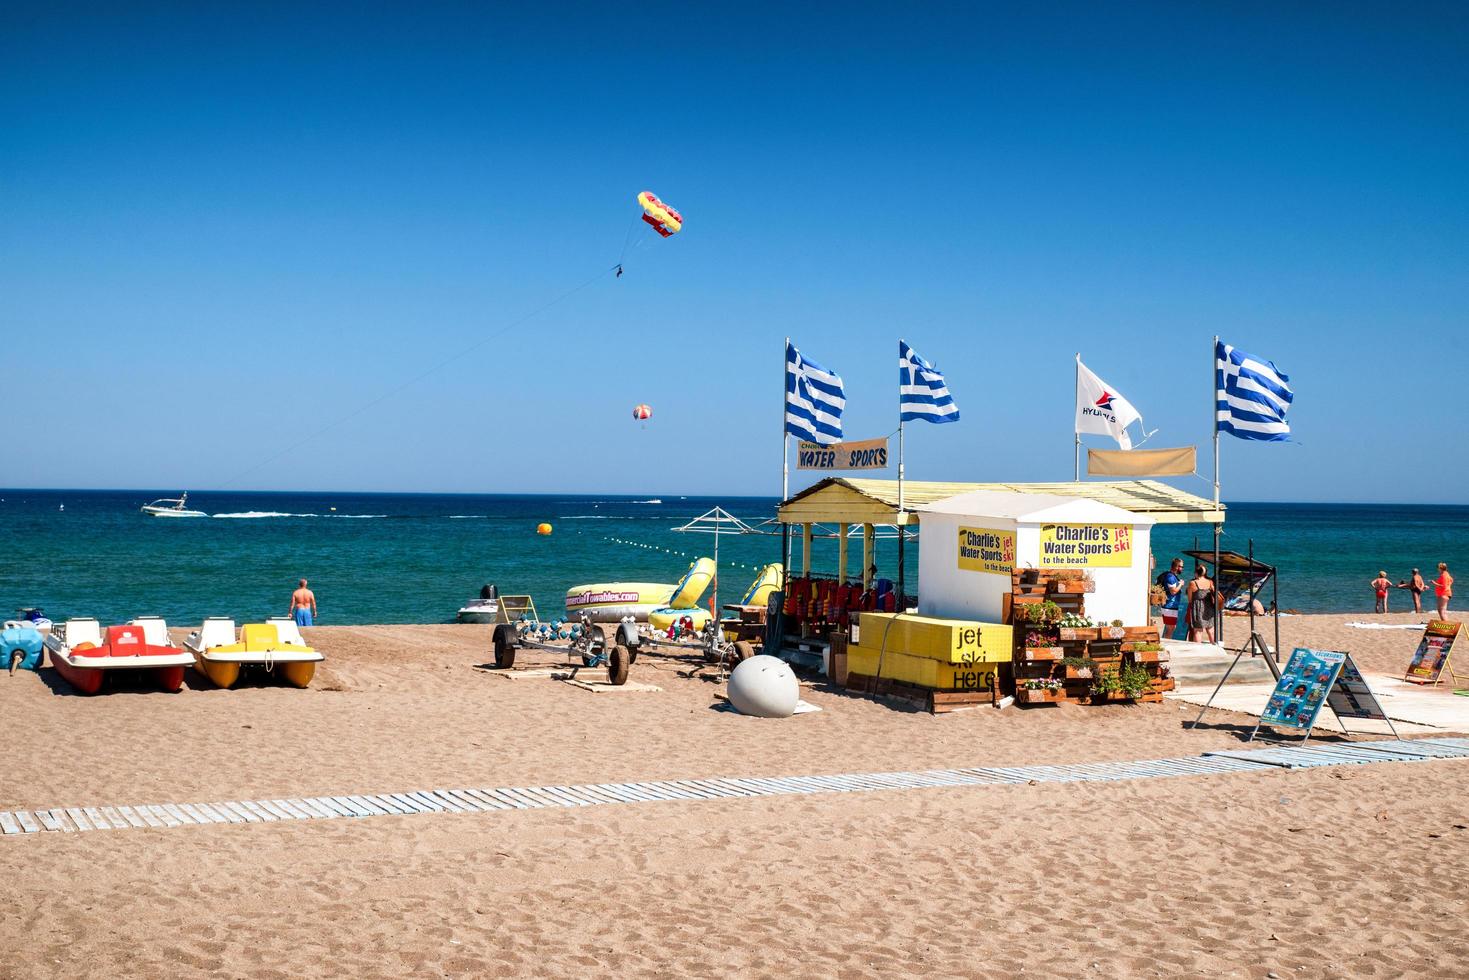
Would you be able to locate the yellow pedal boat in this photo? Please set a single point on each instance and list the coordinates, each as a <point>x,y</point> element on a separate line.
<point>275,646</point>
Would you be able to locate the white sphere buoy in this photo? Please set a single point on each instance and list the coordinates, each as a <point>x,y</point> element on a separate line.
<point>764,687</point>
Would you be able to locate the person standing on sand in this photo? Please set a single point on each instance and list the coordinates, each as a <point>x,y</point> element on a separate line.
<point>1201,607</point>
<point>1416,587</point>
<point>1443,590</point>
<point>1380,585</point>
<point>1171,582</point>
<point>303,605</point>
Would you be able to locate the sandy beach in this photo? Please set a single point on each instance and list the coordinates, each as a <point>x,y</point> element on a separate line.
<point>1345,871</point>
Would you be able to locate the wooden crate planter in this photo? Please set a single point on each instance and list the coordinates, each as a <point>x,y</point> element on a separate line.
<point>1148,633</point>
<point>1026,695</point>
<point>1150,656</point>
<point>1044,653</point>
<point>1073,587</point>
<point>1077,634</point>
<point>923,698</point>
<point>1074,673</point>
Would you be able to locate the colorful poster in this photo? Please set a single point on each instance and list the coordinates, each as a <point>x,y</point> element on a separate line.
<point>869,454</point>
<point>1350,696</point>
<point>1432,655</point>
<point>1301,691</point>
<point>983,549</point>
<point>1086,546</point>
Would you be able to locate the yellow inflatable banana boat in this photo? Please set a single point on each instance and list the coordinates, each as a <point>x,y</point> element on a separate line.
<point>277,646</point>
<point>758,594</point>
<point>609,602</point>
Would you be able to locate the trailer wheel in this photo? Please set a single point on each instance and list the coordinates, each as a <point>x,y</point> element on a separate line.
<point>504,647</point>
<point>741,652</point>
<point>627,635</point>
<point>617,662</point>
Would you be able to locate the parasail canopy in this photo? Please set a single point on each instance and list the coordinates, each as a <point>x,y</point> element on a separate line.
<point>664,219</point>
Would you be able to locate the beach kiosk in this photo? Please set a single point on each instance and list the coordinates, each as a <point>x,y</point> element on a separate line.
<point>973,542</point>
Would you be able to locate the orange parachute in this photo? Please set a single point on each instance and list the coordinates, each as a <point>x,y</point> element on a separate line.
<point>664,219</point>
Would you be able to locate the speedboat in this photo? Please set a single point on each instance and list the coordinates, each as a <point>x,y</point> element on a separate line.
<point>172,507</point>
<point>84,656</point>
<point>276,643</point>
<point>485,609</point>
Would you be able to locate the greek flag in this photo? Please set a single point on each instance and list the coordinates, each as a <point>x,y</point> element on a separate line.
<point>814,399</point>
<point>922,393</point>
<point>1252,397</point>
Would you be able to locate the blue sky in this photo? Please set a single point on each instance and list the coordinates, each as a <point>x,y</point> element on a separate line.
<point>224,229</point>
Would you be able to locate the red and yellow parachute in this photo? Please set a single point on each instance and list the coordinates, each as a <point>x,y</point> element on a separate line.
<point>664,219</point>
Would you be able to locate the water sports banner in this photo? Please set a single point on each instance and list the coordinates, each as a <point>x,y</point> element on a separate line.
<point>1302,689</point>
<point>1432,655</point>
<point>1086,546</point>
<point>867,454</point>
<point>983,549</point>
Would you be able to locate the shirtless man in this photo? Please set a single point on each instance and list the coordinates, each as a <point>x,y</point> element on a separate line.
<point>303,605</point>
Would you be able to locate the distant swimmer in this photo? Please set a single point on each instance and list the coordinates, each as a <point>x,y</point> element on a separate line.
<point>303,605</point>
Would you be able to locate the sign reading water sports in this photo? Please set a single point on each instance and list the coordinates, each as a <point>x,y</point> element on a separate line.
<point>868,454</point>
<point>1086,545</point>
<point>983,549</point>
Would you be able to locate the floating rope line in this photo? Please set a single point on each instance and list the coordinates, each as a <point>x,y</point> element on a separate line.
<point>72,819</point>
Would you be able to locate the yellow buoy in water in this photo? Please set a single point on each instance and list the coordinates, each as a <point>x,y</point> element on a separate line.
<point>543,529</point>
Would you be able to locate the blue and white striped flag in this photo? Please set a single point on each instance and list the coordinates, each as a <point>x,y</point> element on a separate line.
<point>1252,397</point>
<point>814,399</point>
<point>922,393</point>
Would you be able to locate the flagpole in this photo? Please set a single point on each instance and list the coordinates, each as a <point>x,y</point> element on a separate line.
<point>1076,461</point>
<point>1214,412</point>
<point>785,464</point>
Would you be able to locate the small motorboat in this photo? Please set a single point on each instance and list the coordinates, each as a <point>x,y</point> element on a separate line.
<point>171,507</point>
<point>485,609</point>
<point>274,644</point>
<point>84,656</point>
<point>35,617</point>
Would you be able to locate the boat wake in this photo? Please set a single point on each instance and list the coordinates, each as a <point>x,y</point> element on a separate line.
<point>259,514</point>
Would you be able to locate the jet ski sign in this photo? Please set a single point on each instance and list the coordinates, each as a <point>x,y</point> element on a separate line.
<point>868,454</point>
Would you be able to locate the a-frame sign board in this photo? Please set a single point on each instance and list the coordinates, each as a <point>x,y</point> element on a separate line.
<point>1316,678</point>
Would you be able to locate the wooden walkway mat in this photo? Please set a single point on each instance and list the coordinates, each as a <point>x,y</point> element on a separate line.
<point>71,819</point>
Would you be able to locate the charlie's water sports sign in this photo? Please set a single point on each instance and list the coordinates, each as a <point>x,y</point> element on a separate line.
<point>868,454</point>
<point>983,549</point>
<point>1086,546</point>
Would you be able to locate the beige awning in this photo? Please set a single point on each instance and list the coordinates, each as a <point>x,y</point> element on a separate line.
<point>838,500</point>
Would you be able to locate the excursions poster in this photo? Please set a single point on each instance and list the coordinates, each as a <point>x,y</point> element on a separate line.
<point>983,549</point>
<point>1301,691</point>
<point>1086,546</point>
<point>1432,654</point>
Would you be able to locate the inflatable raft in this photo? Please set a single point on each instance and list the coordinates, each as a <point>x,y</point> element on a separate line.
<point>273,646</point>
<point>84,656</point>
<point>609,602</point>
<point>758,594</point>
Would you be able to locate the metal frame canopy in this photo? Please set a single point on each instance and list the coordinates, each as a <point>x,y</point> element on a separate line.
<point>856,501</point>
<point>716,522</point>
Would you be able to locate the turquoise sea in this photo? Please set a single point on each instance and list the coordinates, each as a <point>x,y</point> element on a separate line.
<point>414,558</point>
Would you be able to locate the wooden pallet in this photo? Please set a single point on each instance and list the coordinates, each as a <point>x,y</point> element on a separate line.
<point>924,698</point>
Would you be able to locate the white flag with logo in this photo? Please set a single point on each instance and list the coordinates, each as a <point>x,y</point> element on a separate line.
<point>1100,409</point>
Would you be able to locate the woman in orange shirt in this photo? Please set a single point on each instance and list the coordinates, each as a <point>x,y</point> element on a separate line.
<point>1443,590</point>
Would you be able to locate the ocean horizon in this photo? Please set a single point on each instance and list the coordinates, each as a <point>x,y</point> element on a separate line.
<point>398,557</point>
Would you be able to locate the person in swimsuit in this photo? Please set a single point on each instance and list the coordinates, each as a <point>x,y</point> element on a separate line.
<point>1416,587</point>
<point>1380,585</point>
<point>303,605</point>
<point>1171,582</point>
<point>1443,590</point>
<point>1201,607</point>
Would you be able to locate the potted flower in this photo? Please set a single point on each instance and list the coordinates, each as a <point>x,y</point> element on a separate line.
<point>1040,646</point>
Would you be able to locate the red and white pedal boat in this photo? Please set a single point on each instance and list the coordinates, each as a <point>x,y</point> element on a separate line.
<point>84,656</point>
